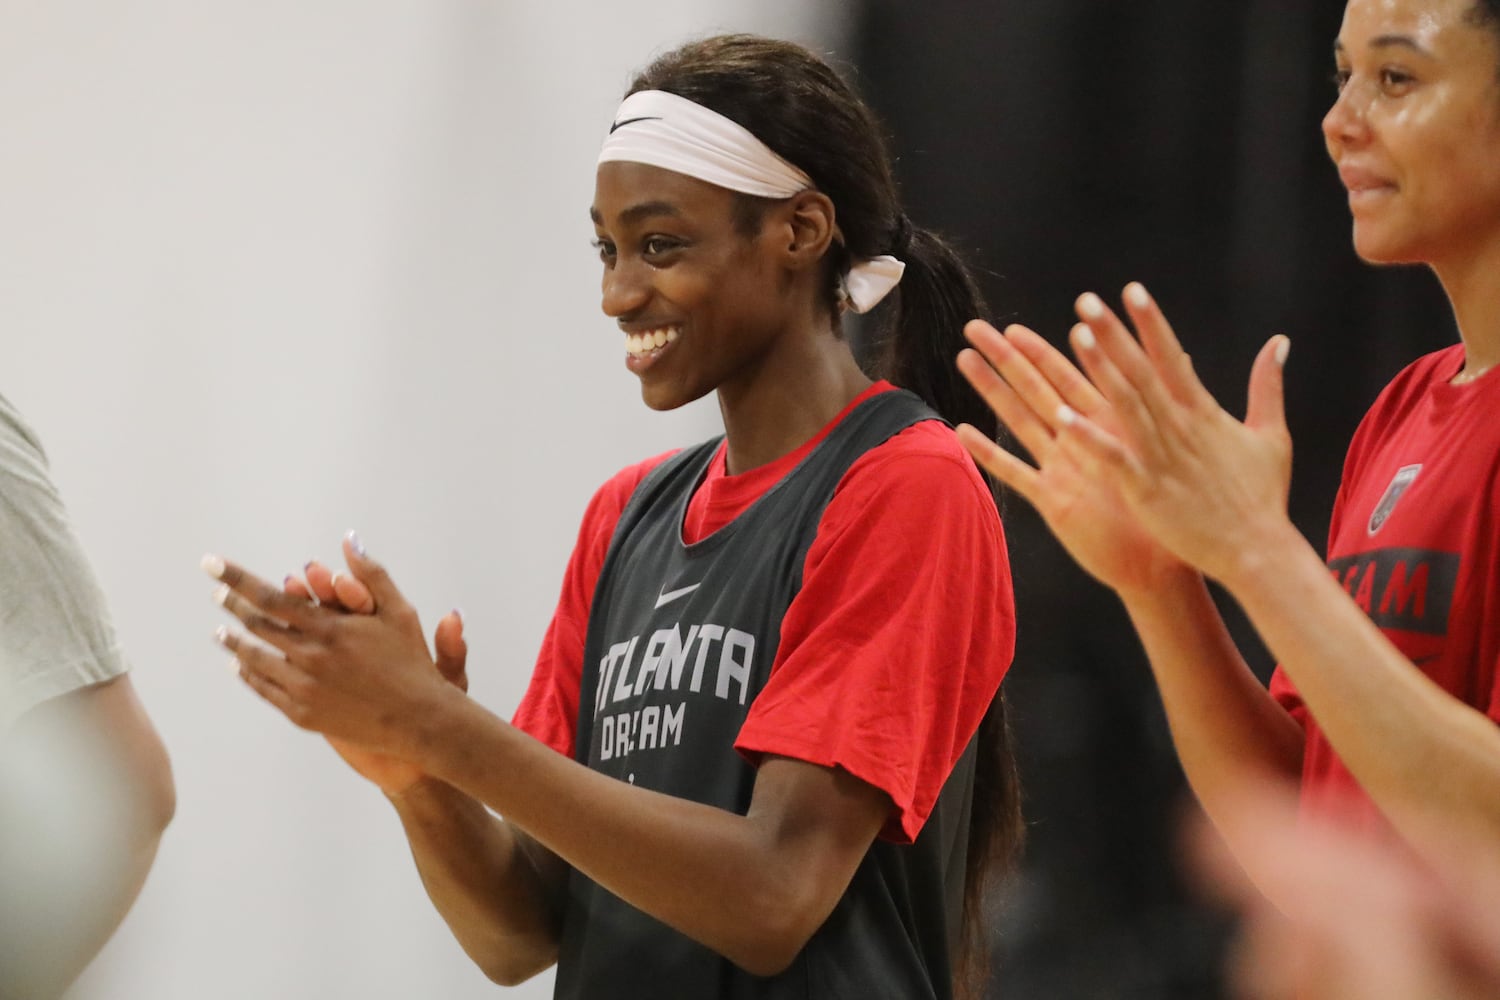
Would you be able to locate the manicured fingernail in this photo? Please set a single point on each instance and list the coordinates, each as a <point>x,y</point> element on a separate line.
<point>333,581</point>
<point>1083,337</point>
<point>460,613</point>
<point>221,594</point>
<point>1066,415</point>
<point>1090,306</point>
<point>1135,295</point>
<point>355,543</point>
<point>221,635</point>
<point>212,565</point>
<point>1283,349</point>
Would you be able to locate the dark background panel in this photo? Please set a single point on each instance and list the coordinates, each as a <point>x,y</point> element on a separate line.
<point>1073,145</point>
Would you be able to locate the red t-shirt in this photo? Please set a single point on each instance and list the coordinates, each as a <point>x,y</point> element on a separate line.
<point>1413,540</point>
<point>889,654</point>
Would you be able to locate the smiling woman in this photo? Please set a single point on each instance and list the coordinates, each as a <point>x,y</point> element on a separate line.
<point>1385,705</point>
<point>763,752</point>
<point>1415,132</point>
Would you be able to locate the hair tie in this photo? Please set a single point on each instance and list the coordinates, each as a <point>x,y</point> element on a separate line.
<point>869,281</point>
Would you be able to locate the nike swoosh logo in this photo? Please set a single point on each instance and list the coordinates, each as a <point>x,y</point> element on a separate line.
<point>630,121</point>
<point>672,595</point>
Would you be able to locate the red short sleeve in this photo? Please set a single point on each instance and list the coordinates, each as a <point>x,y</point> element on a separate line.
<point>549,708</point>
<point>904,626</point>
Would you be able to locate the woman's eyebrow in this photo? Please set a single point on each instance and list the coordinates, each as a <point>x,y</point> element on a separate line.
<point>636,213</point>
<point>1389,41</point>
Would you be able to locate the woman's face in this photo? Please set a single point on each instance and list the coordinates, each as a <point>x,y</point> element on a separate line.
<point>1415,131</point>
<point>699,302</point>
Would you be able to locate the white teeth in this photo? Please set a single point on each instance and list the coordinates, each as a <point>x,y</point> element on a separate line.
<point>652,340</point>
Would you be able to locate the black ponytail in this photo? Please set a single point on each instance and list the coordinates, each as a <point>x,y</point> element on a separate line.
<point>922,328</point>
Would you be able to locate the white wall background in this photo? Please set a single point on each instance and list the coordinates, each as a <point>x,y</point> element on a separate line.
<point>272,270</point>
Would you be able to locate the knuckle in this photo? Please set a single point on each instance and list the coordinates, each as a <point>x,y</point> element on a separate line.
<point>300,715</point>
<point>271,599</point>
<point>311,660</point>
<point>332,634</point>
<point>300,688</point>
<point>318,626</point>
<point>252,677</point>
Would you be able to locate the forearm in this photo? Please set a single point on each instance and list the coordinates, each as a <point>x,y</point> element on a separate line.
<point>751,887</point>
<point>499,895</point>
<point>1415,749</point>
<point>735,884</point>
<point>81,819</point>
<point>1226,727</point>
<point>117,893</point>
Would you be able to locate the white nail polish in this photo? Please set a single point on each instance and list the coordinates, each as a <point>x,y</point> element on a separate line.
<point>1283,349</point>
<point>221,593</point>
<point>212,565</point>
<point>1090,307</point>
<point>221,635</point>
<point>1066,415</point>
<point>1136,297</point>
<point>355,543</point>
<point>1084,338</point>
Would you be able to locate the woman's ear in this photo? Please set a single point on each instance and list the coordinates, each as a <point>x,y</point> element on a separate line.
<point>811,227</point>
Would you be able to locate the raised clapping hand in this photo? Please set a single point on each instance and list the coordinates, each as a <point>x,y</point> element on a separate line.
<point>1027,383</point>
<point>322,649</point>
<point>1145,436</point>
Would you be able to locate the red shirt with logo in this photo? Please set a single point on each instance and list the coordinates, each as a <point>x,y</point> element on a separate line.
<point>1413,540</point>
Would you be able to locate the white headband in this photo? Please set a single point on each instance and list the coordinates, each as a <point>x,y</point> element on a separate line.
<point>674,133</point>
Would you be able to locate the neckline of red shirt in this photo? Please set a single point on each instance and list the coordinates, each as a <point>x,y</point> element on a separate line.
<point>720,497</point>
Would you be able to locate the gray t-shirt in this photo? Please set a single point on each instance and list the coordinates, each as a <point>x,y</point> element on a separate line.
<point>55,632</point>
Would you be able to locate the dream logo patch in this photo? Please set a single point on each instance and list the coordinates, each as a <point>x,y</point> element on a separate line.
<point>1404,477</point>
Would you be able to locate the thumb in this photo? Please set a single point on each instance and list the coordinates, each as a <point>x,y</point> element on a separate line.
<point>452,649</point>
<point>1266,409</point>
<point>373,575</point>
